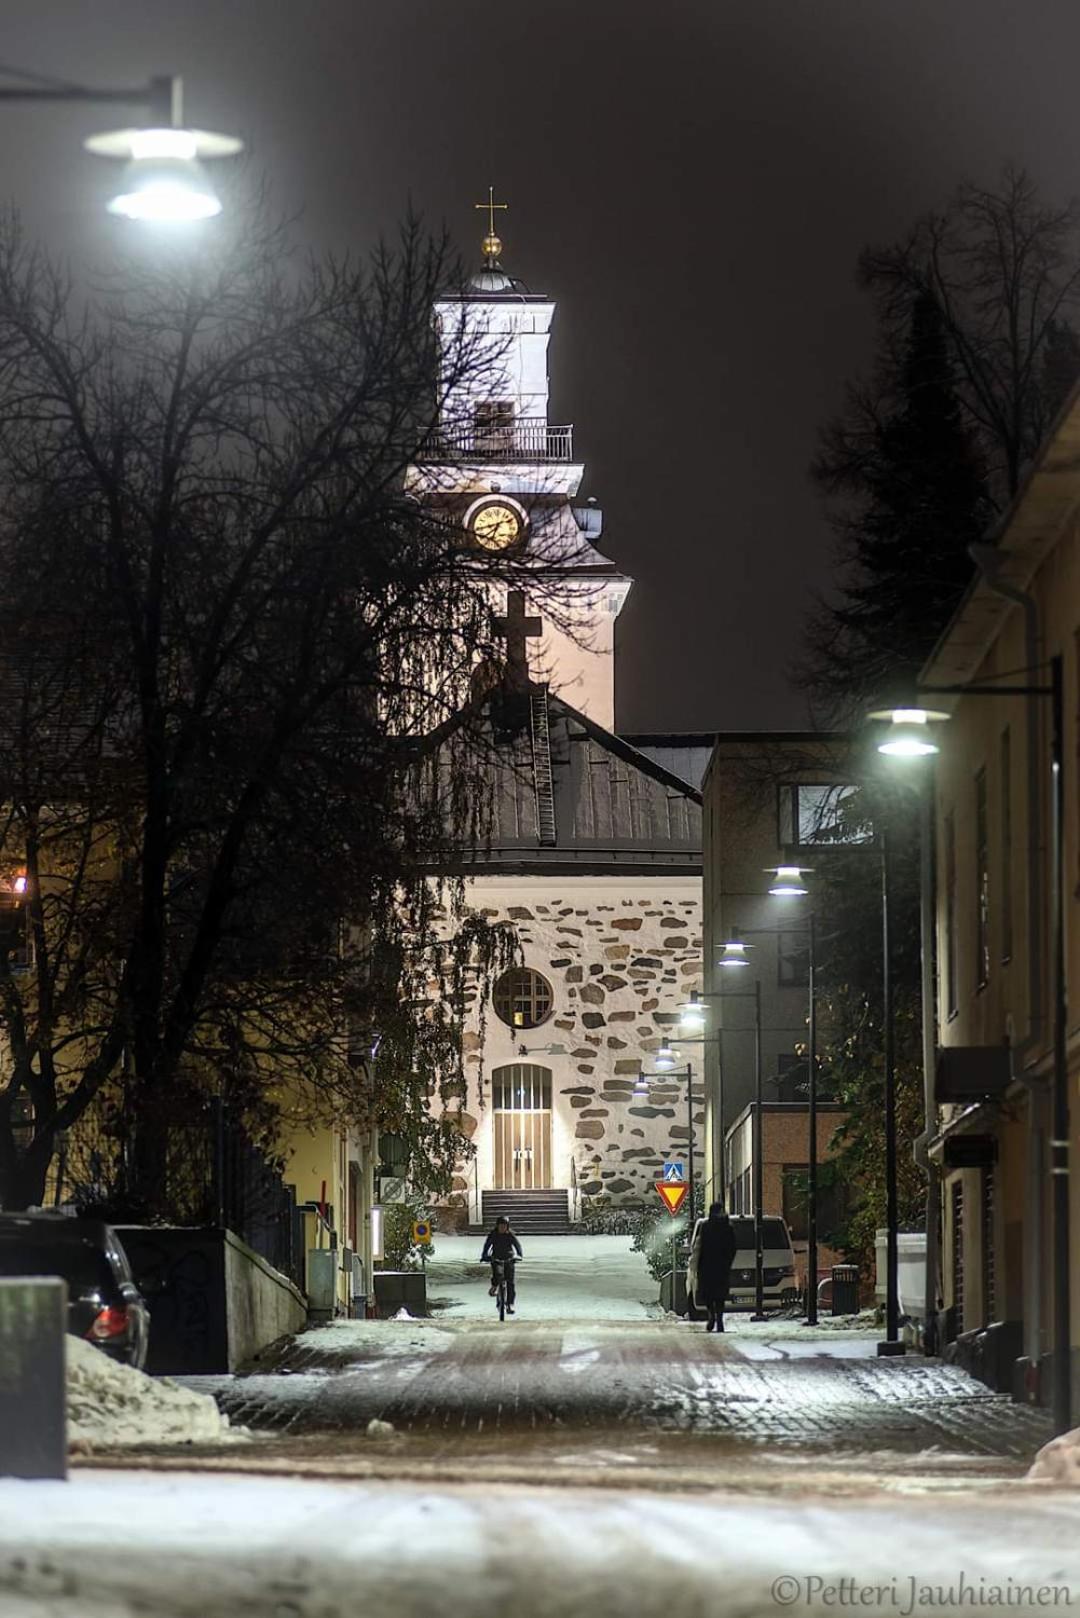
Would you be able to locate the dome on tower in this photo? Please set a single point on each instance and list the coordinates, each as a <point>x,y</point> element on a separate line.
<point>491,279</point>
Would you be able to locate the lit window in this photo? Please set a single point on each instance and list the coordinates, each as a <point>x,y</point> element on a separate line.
<point>522,998</point>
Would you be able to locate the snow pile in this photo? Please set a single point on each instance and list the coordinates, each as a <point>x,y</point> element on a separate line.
<point>1058,1461</point>
<point>109,1404</point>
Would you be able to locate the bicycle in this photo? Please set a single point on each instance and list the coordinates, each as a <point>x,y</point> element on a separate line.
<point>499,1265</point>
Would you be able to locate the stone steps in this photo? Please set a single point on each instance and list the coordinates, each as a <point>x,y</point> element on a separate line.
<point>534,1213</point>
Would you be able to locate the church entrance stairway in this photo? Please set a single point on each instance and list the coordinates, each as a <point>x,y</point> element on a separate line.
<point>531,1213</point>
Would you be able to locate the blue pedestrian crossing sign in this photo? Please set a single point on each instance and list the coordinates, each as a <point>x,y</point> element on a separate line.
<point>674,1171</point>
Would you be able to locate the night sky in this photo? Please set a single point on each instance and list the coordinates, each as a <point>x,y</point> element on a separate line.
<point>691,180</point>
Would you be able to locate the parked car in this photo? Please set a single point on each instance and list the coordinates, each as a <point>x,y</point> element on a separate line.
<point>778,1264</point>
<point>104,1304</point>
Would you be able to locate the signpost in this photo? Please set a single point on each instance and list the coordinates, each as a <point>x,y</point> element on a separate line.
<point>421,1235</point>
<point>672,1191</point>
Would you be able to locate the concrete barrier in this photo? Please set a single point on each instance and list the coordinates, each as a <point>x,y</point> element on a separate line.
<point>33,1425</point>
<point>214,1303</point>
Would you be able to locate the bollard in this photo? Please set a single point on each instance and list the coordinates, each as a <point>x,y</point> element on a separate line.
<point>33,1428</point>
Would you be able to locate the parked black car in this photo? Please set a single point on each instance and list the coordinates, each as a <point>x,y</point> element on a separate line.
<point>104,1304</point>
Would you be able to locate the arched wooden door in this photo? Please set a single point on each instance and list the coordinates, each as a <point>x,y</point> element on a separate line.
<point>521,1100</point>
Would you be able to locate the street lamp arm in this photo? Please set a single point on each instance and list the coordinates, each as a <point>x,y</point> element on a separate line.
<point>161,95</point>
<point>987,690</point>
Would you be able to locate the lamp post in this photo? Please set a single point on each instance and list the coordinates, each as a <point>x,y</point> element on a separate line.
<point>788,883</point>
<point>665,1060</point>
<point>163,178</point>
<point>733,955</point>
<point>909,736</point>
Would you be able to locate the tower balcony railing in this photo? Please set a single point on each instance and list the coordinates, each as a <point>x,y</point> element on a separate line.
<point>526,439</point>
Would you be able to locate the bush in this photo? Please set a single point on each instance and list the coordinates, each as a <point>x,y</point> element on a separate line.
<point>400,1252</point>
<point>607,1221</point>
<point>656,1229</point>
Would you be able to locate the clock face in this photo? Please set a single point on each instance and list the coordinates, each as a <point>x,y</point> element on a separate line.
<point>495,527</point>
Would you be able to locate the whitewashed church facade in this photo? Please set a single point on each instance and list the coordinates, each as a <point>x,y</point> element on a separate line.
<point>595,852</point>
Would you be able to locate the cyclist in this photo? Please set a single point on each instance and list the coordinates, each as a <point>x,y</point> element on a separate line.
<point>500,1248</point>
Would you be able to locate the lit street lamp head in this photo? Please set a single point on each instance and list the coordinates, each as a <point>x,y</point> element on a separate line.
<point>788,881</point>
<point>692,1013</point>
<point>734,951</point>
<point>908,735</point>
<point>163,178</point>
<point>665,1058</point>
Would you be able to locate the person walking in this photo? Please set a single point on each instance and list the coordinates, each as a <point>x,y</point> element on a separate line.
<point>708,1273</point>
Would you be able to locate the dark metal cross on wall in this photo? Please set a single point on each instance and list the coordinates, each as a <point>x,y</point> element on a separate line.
<point>517,630</point>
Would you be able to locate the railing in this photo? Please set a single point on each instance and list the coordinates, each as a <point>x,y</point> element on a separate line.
<point>527,439</point>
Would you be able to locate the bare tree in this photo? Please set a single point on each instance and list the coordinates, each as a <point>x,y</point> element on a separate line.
<point>232,641</point>
<point>1003,268</point>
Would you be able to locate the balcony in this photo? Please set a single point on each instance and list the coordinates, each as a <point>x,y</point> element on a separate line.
<point>526,439</point>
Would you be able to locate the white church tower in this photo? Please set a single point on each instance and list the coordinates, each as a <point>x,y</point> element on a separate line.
<point>513,479</point>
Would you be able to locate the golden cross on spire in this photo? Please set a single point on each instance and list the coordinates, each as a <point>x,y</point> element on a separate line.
<point>491,246</point>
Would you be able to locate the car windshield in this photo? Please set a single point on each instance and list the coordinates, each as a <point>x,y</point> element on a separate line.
<point>79,1264</point>
<point>773,1233</point>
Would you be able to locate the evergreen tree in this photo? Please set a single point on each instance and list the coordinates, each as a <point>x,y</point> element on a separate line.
<point>913,499</point>
<point>976,356</point>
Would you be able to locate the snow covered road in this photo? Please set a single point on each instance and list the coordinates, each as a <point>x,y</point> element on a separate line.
<point>560,1278</point>
<point>116,1545</point>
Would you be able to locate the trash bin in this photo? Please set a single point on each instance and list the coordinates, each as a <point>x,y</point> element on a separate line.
<point>845,1289</point>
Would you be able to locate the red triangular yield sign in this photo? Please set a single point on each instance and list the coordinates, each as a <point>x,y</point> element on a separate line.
<point>672,1193</point>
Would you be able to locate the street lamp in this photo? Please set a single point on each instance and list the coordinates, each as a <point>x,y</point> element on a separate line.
<point>665,1057</point>
<point>909,733</point>
<point>163,178</point>
<point>692,1013</point>
<point>733,954</point>
<point>787,883</point>
<point>1053,691</point>
<point>733,950</point>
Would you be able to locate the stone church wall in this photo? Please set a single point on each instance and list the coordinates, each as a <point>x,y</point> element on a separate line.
<point>621,956</point>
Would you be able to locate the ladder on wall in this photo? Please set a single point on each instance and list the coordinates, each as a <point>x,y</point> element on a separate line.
<point>542,778</point>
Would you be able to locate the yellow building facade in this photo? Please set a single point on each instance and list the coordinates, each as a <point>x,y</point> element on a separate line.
<point>992,1142</point>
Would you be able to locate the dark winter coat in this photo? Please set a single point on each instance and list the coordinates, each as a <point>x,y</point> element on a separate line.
<point>500,1245</point>
<point>712,1255</point>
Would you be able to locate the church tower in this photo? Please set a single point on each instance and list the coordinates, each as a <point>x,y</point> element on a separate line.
<point>510,476</point>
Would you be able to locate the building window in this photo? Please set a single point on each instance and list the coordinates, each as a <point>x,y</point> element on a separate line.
<point>794,1200</point>
<point>982,884</point>
<point>792,961</point>
<point>949,962</point>
<point>493,425</point>
<point>989,1266</point>
<point>1006,847</point>
<point>792,1075</point>
<point>521,1087</point>
<point>811,813</point>
<point>957,1200</point>
<point>522,998</point>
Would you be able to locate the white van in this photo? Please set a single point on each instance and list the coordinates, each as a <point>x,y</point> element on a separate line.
<point>778,1264</point>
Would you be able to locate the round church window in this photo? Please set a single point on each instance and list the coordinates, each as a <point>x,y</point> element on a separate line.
<point>523,999</point>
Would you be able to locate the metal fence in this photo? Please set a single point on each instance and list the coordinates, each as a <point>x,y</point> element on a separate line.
<point>207,1171</point>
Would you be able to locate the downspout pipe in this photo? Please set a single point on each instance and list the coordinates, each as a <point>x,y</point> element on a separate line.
<point>988,559</point>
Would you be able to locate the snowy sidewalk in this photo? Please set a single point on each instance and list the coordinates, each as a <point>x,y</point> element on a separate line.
<point>560,1278</point>
<point>116,1545</point>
